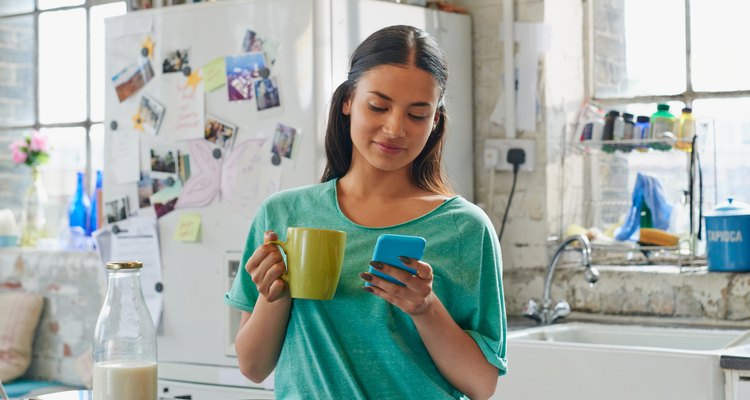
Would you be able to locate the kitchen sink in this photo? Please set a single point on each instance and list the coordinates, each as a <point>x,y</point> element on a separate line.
<point>583,361</point>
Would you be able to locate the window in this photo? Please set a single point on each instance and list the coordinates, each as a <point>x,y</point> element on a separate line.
<point>52,79</point>
<point>681,52</point>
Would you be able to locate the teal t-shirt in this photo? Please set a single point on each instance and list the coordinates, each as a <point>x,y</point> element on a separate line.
<point>358,346</point>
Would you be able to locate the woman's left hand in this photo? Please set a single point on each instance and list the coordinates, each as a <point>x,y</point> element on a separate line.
<point>414,297</point>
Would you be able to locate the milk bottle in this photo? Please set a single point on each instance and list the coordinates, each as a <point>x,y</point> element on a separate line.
<point>125,363</point>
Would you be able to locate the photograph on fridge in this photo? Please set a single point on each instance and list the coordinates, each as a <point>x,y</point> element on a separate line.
<point>164,161</point>
<point>176,60</point>
<point>132,78</point>
<point>117,210</point>
<point>241,71</point>
<point>148,186</point>
<point>283,140</point>
<point>267,93</point>
<point>151,113</point>
<point>220,132</point>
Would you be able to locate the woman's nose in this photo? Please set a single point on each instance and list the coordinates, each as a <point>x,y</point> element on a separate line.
<point>394,125</point>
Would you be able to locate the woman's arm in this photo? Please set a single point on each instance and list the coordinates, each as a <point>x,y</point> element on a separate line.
<point>262,332</point>
<point>454,352</point>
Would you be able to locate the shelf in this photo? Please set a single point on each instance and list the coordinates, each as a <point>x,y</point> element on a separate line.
<point>625,146</point>
<point>636,254</point>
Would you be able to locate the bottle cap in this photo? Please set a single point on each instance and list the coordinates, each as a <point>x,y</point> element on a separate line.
<point>613,113</point>
<point>118,265</point>
<point>627,116</point>
<point>643,118</point>
<point>663,107</point>
<point>687,110</point>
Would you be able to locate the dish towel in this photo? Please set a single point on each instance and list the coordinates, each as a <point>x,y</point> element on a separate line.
<point>647,191</point>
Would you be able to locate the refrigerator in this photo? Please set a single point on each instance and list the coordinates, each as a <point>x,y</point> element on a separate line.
<point>209,108</point>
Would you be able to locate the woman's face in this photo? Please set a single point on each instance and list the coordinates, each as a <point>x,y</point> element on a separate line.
<point>392,112</point>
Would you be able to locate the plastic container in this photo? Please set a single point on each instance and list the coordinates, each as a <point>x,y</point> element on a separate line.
<point>614,129</point>
<point>125,358</point>
<point>728,237</point>
<point>663,127</point>
<point>628,131</point>
<point>685,130</point>
<point>78,210</point>
<point>642,130</point>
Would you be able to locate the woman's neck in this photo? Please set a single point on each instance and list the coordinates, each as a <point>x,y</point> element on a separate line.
<point>360,182</point>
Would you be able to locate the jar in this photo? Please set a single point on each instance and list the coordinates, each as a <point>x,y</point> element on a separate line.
<point>125,362</point>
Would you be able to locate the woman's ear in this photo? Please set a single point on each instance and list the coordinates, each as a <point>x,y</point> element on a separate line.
<point>346,107</point>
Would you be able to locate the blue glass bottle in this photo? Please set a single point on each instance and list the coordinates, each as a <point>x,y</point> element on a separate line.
<point>78,209</point>
<point>94,210</point>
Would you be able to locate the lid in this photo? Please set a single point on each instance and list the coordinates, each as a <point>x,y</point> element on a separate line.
<point>730,208</point>
<point>613,113</point>
<point>687,110</point>
<point>118,265</point>
<point>643,118</point>
<point>663,107</point>
<point>627,116</point>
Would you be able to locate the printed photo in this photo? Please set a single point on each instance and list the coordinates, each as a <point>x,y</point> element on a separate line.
<point>241,71</point>
<point>116,210</point>
<point>131,79</point>
<point>164,162</point>
<point>184,167</point>
<point>148,186</point>
<point>176,61</point>
<point>151,113</point>
<point>252,42</point>
<point>219,132</point>
<point>267,93</point>
<point>283,140</point>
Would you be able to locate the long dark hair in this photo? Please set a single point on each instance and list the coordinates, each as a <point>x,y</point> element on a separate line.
<point>393,45</point>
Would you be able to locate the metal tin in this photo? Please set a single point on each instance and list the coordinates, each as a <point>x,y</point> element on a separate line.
<point>117,265</point>
<point>728,237</point>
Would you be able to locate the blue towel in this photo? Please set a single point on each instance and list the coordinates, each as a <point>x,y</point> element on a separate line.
<point>647,190</point>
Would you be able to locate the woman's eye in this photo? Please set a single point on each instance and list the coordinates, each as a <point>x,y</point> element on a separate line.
<point>418,117</point>
<point>376,108</point>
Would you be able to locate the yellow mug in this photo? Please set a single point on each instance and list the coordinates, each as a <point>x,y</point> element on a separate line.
<point>314,258</point>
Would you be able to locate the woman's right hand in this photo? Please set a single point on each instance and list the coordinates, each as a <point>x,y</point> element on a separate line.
<point>265,267</point>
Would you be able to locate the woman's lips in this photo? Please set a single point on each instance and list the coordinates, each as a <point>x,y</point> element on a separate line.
<point>389,148</point>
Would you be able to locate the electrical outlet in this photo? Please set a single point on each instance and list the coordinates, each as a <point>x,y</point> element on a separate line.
<point>503,145</point>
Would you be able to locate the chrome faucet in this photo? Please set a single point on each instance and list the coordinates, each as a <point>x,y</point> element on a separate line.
<point>547,314</point>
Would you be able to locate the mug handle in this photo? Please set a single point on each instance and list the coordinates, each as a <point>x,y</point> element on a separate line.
<point>285,275</point>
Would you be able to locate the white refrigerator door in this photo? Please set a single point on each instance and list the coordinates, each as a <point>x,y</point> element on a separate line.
<point>353,21</point>
<point>195,326</point>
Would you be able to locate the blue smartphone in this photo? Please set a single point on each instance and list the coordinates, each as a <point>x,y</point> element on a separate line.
<point>389,247</point>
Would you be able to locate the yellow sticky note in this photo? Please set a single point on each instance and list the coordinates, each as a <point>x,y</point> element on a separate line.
<point>214,73</point>
<point>188,228</point>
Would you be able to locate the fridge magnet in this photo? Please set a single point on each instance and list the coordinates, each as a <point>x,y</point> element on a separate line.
<point>193,79</point>
<point>213,74</point>
<point>137,122</point>
<point>148,186</point>
<point>117,210</point>
<point>164,162</point>
<point>175,61</point>
<point>267,93</point>
<point>241,70</point>
<point>150,114</point>
<point>147,47</point>
<point>283,142</point>
<point>132,78</point>
<point>219,132</point>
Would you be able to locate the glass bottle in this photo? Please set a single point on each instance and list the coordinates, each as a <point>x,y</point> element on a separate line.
<point>125,361</point>
<point>686,130</point>
<point>79,206</point>
<point>94,212</point>
<point>33,218</point>
<point>662,127</point>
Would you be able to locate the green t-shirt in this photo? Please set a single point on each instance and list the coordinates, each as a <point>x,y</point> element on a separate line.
<point>358,346</point>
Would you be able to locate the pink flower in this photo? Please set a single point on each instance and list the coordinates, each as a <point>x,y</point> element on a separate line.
<point>19,156</point>
<point>38,142</point>
<point>16,145</point>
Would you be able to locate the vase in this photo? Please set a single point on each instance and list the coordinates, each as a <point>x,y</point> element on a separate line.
<point>33,218</point>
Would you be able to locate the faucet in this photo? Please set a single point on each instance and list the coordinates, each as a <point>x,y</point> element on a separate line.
<point>547,315</point>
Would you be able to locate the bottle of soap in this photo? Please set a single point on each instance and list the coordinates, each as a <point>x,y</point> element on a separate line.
<point>686,130</point>
<point>663,127</point>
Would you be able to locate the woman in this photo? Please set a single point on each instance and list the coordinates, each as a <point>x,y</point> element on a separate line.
<point>440,336</point>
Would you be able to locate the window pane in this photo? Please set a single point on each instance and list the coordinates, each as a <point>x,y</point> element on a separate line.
<point>9,7</point>
<point>97,16</point>
<point>639,47</point>
<point>719,61</point>
<point>732,124</point>
<point>17,71</point>
<point>47,4</point>
<point>15,178</point>
<point>67,156</point>
<point>62,66</point>
<point>96,134</point>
